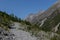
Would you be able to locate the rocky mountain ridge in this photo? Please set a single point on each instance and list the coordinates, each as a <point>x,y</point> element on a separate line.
<point>44,14</point>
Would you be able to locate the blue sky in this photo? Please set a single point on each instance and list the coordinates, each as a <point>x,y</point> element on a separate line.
<point>22,8</point>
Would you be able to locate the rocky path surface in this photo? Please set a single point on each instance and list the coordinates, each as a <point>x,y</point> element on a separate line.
<point>20,34</point>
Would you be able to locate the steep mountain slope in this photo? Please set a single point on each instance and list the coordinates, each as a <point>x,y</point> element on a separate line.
<point>43,15</point>
<point>48,22</point>
<point>51,22</point>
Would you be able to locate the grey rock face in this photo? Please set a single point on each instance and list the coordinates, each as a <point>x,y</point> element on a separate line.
<point>5,35</point>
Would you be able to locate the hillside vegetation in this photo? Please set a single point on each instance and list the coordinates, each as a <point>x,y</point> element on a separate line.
<point>6,20</point>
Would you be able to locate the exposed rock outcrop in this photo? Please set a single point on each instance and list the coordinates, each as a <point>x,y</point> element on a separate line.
<point>5,35</point>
